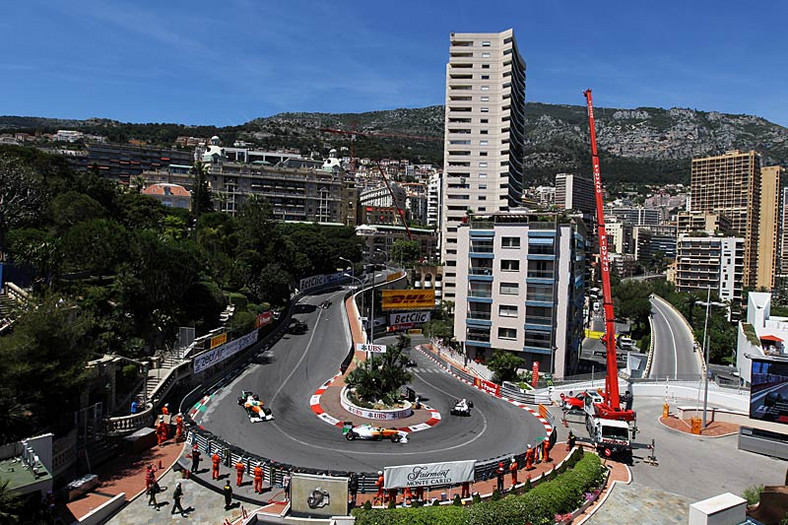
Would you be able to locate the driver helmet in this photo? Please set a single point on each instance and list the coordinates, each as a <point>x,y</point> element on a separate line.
<point>380,472</point>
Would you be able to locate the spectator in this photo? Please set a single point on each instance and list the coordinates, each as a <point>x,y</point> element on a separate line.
<point>177,494</point>
<point>152,491</point>
<point>228,494</point>
<point>286,485</point>
<point>134,406</point>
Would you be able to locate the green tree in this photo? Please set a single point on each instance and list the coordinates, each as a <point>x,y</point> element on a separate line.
<point>22,195</point>
<point>381,376</point>
<point>405,251</point>
<point>272,284</point>
<point>201,191</point>
<point>505,364</point>
<point>10,504</point>
<point>73,207</point>
<point>96,245</point>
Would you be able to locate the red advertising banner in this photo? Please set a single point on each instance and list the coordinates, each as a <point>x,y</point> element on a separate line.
<point>263,319</point>
<point>535,374</point>
<point>487,386</point>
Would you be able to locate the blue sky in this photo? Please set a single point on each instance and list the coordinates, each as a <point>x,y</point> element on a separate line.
<point>228,61</point>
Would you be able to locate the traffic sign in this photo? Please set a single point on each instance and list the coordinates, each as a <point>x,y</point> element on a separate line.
<point>375,349</point>
<point>607,452</point>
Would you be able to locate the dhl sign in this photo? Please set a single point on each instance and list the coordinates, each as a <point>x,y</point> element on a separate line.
<point>408,299</point>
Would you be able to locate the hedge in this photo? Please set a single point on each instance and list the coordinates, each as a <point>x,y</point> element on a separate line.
<point>537,506</point>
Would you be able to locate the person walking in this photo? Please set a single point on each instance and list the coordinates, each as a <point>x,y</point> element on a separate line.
<point>258,478</point>
<point>195,459</point>
<point>570,441</point>
<point>352,487</point>
<point>152,491</point>
<point>465,492</point>
<point>216,459</point>
<point>177,494</point>
<point>228,494</point>
<point>286,485</point>
<point>150,476</point>
<point>499,473</point>
<point>239,473</point>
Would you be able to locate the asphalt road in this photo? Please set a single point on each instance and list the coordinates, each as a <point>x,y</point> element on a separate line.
<point>297,365</point>
<point>673,345</point>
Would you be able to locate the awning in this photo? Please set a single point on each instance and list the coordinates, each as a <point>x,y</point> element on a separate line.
<point>771,338</point>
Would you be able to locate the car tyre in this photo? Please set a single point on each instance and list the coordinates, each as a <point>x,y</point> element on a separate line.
<point>395,438</point>
<point>350,436</point>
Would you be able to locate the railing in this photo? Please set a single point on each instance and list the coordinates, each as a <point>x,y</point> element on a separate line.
<point>16,293</point>
<point>480,271</point>
<point>131,423</point>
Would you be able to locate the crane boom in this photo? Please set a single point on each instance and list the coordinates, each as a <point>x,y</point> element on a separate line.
<point>400,211</point>
<point>611,407</point>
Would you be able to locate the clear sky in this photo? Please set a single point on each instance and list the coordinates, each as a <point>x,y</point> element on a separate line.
<point>228,61</point>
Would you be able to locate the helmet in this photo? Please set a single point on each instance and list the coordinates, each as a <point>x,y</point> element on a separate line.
<point>500,463</point>
<point>529,445</point>
<point>380,472</point>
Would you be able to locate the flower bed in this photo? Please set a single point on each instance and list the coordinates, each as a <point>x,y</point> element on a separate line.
<point>542,505</point>
<point>402,410</point>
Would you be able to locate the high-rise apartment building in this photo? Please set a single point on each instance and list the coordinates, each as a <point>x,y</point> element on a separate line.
<point>731,184</point>
<point>434,199</point>
<point>710,262</point>
<point>768,242</point>
<point>573,192</point>
<point>484,134</point>
<point>523,288</point>
<point>783,233</point>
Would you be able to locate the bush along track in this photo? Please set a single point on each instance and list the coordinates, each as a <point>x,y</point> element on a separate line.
<point>536,506</point>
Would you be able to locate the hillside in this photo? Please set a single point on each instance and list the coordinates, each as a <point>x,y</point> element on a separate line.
<point>636,145</point>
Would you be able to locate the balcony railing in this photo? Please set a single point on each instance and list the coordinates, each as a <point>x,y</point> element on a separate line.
<point>482,316</point>
<point>480,271</point>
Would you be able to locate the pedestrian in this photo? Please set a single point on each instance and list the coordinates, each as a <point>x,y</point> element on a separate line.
<point>152,491</point>
<point>286,485</point>
<point>239,473</point>
<point>258,478</point>
<point>513,470</point>
<point>216,459</point>
<point>352,487</point>
<point>570,441</point>
<point>547,443</point>
<point>134,406</point>
<point>466,490</point>
<point>177,494</point>
<point>529,458</point>
<point>195,459</point>
<point>150,476</point>
<point>228,494</point>
<point>165,410</point>
<point>499,473</point>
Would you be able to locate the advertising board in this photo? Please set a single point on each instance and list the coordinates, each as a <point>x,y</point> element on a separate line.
<point>410,318</point>
<point>263,319</point>
<point>408,299</point>
<point>487,386</point>
<point>220,353</point>
<point>429,474</point>
<point>218,340</point>
<point>769,390</point>
<point>375,349</point>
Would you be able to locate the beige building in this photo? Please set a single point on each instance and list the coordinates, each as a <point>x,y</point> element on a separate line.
<point>767,234</point>
<point>731,184</point>
<point>710,262</point>
<point>484,134</point>
<point>701,221</point>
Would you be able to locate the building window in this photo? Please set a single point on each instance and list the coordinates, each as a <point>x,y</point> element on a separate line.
<point>485,110</point>
<point>485,66</point>
<point>486,43</point>
<point>484,121</point>
<point>485,55</point>
<point>485,99</point>
<point>485,77</point>
<point>482,153</point>
<point>482,164</point>
<point>507,333</point>
<point>482,175</point>
<point>484,132</point>
<point>510,289</point>
<point>485,88</point>
<point>507,310</point>
<point>510,242</point>
<point>482,197</point>
<point>482,186</point>
<point>510,265</point>
<point>487,142</point>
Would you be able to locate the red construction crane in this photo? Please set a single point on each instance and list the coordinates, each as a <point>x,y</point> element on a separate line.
<point>610,408</point>
<point>353,135</point>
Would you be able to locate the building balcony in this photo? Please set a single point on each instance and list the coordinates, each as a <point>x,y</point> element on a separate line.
<point>483,300</point>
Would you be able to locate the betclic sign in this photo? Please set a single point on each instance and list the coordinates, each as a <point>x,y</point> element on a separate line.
<point>410,318</point>
<point>408,299</point>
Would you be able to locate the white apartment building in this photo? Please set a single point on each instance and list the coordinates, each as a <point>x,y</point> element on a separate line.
<point>716,262</point>
<point>484,134</point>
<point>522,288</point>
<point>434,199</point>
<point>573,192</point>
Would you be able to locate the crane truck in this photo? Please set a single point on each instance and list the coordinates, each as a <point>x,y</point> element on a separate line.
<point>608,424</point>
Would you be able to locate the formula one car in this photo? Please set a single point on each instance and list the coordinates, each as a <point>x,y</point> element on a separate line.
<point>367,431</point>
<point>577,402</point>
<point>254,407</point>
<point>461,407</point>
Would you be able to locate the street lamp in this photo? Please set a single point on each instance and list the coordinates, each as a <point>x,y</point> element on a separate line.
<point>360,287</point>
<point>708,304</point>
<point>350,264</point>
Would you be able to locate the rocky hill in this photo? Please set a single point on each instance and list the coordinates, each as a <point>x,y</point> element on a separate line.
<point>636,145</point>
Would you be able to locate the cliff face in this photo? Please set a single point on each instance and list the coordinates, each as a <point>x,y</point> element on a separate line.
<point>637,145</point>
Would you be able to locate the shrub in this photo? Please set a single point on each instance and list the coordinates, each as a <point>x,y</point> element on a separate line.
<point>436,503</point>
<point>752,494</point>
<point>429,515</point>
<point>392,504</point>
<point>457,502</point>
<point>496,496</point>
<point>367,505</point>
<point>239,300</point>
<point>477,498</point>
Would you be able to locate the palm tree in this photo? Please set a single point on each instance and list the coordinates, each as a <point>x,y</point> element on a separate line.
<point>380,378</point>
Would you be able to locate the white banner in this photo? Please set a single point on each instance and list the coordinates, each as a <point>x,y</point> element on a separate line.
<point>220,353</point>
<point>429,474</point>
<point>410,318</point>
<point>375,349</point>
<point>310,282</point>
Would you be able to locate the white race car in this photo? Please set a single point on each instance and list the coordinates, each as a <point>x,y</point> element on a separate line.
<point>367,431</point>
<point>462,408</point>
<point>254,407</point>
